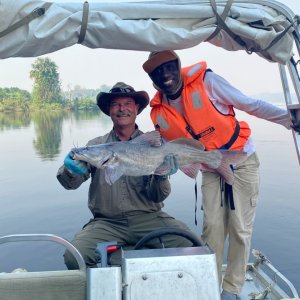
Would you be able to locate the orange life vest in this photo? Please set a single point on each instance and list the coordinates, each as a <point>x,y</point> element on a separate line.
<point>201,119</point>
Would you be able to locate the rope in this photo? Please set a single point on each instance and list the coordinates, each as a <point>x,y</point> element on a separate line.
<point>293,24</point>
<point>222,17</point>
<point>222,25</point>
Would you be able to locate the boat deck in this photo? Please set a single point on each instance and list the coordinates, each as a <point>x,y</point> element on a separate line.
<point>264,281</point>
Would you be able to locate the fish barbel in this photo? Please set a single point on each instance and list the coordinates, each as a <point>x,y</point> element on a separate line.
<point>146,155</point>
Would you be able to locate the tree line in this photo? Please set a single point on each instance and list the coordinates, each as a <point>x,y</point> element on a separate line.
<point>47,92</point>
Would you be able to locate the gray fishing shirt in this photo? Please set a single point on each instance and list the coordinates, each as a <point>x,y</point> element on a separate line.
<point>129,195</point>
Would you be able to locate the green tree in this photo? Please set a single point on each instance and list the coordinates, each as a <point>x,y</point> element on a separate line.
<point>47,87</point>
<point>14,99</point>
<point>80,98</point>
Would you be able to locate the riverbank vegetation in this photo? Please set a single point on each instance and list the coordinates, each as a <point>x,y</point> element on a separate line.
<point>47,93</point>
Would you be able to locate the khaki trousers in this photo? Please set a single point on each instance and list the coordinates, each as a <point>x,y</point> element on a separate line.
<point>221,222</point>
<point>127,231</point>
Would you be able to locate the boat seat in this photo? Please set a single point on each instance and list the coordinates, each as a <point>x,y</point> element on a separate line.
<point>45,285</point>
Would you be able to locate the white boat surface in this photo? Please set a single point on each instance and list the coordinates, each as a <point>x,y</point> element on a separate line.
<point>263,27</point>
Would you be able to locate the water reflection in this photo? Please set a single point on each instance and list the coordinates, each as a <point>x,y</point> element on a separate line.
<point>48,127</point>
<point>14,120</point>
<point>84,115</point>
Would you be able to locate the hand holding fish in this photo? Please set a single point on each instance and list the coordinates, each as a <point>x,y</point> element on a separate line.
<point>295,118</point>
<point>171,160</point>
<point>75,167</point>
<point>296,126</point>
<point>145,155</point>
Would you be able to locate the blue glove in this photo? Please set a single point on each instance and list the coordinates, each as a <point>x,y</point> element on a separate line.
<point>75,167</point>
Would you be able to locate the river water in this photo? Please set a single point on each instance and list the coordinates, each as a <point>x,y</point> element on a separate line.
<point>32,201</point>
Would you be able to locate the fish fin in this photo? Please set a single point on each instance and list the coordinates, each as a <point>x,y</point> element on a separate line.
<point>112,170</point>
<point>191,170</point>
<point>229,159</point>
<point>190,142</point>
<point>112,173</point>
<point>152,138</point>
<point>163,169</point>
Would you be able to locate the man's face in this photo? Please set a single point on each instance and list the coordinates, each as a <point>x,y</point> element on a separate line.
<point>123,111</point>
<point>167,77</point>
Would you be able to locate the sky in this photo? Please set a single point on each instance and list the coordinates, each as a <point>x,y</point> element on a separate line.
<point>90,68</point>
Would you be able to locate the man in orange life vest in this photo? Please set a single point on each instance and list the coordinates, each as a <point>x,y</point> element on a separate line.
<point>195,102</point>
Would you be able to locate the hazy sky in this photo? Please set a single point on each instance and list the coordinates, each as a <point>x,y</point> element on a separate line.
<point>90,68</point>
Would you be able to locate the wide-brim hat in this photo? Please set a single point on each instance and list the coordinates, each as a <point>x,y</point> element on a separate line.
<point>158,58</point>
<point>121,89</point>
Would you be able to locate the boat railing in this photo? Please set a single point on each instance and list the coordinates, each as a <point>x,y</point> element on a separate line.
<point>27,285</point>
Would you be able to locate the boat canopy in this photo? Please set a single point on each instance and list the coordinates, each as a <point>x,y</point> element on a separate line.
<point>31,28</point>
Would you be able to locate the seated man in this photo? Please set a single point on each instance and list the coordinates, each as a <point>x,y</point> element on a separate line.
<point>131,207</point>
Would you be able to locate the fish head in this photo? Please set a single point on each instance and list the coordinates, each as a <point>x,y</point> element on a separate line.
<point>96,155</point>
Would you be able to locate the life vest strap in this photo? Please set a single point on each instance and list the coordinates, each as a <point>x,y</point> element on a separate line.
<point>225,146</point>
<point>234,136</point>
<point>196,197</point>
<point>226,194</point>
<point>191,132</point>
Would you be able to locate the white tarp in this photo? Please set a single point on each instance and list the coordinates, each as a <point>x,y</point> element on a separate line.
<point>144,26</point>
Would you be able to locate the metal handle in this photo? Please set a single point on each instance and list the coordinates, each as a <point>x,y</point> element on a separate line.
<point>46,237</point>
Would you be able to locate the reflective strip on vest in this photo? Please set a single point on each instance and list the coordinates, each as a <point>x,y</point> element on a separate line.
<point>162,122</point>
<point>194,69</point>
<point>197,100</point>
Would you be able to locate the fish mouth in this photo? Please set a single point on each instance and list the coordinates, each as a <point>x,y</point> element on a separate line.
<point>76,155</point>
<point>80,153</point>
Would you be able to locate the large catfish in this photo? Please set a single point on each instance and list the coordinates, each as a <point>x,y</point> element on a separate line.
<point>146,154</point>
